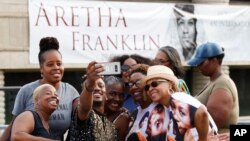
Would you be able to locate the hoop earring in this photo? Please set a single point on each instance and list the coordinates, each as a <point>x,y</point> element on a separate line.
<point>170,91</point>
<point>41,75</point>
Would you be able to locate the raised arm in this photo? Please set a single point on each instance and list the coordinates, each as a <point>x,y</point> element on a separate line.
<point>86,97</point>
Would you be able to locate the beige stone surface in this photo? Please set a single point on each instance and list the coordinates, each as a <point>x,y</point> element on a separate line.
<point>211,1</point>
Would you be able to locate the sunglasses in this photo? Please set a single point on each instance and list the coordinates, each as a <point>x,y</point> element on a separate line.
<point>154,84</point>
<point>126,67</point>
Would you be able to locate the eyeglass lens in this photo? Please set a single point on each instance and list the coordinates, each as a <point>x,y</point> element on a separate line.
<point>137,83</point>
<point>125,67</point>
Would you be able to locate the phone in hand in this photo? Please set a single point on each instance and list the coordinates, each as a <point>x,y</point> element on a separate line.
<point>111,68</point>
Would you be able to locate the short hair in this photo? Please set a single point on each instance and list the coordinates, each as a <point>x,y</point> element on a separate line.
<point>138,58</point>
<point>38,91</point>
<point>142,68</point>
<point>113,80</point>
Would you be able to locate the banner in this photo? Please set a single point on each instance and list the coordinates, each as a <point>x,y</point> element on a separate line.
<point>98,30</point>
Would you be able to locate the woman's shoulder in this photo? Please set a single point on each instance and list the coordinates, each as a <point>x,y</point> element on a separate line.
<point>123,116</point>
<point>31,85</point>
<point>125,113</point>
<point>28,88</point>
<point>25,115</point>
<point>68,86</point>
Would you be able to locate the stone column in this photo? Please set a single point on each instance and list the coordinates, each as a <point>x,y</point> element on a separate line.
<point>2,99</point>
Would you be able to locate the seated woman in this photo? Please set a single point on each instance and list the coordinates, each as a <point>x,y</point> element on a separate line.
<point>34,125</point>
<point>89,122</point>
<point>113,106</point>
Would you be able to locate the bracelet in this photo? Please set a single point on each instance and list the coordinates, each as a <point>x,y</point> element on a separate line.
<point>86,88</point>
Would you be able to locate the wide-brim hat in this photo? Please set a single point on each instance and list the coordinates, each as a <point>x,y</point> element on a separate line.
<point>160,71</point>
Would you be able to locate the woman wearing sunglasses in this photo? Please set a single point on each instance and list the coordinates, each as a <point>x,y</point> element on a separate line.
<point>160,84</point>
<point>148,115</point>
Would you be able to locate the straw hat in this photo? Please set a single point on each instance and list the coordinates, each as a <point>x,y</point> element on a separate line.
<point>160,71</point>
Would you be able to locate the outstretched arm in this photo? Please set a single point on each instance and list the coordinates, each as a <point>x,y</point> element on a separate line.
<point>86,97</point>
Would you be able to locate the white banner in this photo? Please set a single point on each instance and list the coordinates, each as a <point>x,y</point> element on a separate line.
<point>98,30</point>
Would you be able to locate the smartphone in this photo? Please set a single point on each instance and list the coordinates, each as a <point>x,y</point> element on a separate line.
<point>111,68</point>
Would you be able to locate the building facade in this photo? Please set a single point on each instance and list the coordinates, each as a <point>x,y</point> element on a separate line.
<point>15,69</point>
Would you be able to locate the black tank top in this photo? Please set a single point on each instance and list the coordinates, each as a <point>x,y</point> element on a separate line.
<point>39,130</point>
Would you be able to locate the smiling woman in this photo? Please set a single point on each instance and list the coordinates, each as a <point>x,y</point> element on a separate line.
<point>127,63</point>
<point>34,125</point>
<point>52,71</point>
<point>113,106</point>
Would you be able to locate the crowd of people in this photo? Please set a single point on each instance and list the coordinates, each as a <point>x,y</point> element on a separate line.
<point>148,101</point>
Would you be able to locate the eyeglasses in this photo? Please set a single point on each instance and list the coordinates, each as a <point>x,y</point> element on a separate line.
<point>126,67</point>
<point>154,84</point>
<point>136,83</point>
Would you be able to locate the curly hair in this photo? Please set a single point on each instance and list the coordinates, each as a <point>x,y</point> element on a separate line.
<point>142,68</point>
<point>139,59</point>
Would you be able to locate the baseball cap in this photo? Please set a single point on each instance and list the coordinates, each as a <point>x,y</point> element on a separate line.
<point>204,51</point>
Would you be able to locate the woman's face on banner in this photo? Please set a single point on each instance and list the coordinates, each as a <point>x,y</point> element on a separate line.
<point>181,114</point>
<point>156,121</point>
<point>186,31</point>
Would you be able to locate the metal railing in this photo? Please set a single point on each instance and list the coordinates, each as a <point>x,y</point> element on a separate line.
<point>3,126</point>
<point>9,88</point>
